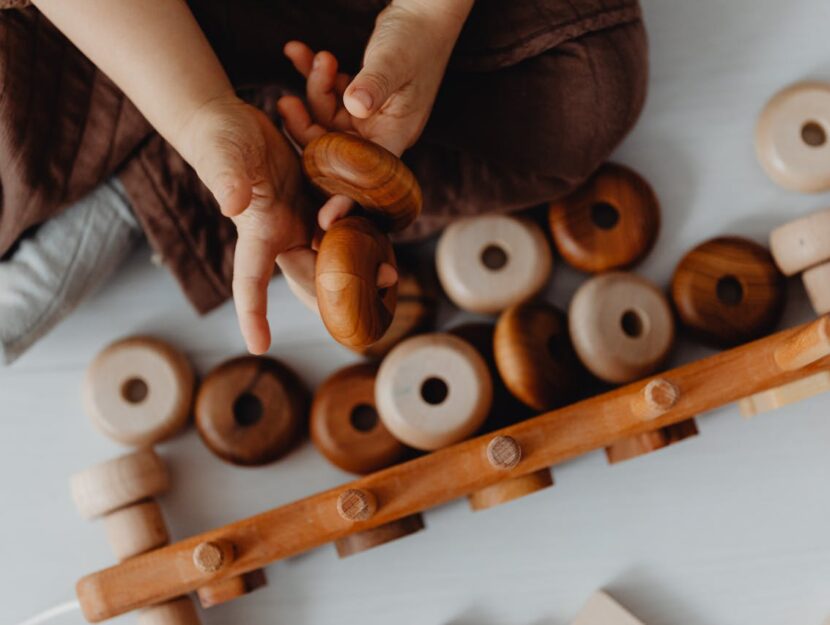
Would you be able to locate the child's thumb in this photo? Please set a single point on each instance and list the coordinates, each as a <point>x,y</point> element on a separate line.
<point>225,175</point>
<point>384,72</point>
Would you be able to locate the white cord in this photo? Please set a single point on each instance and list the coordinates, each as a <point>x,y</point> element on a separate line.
<point>48,615</point>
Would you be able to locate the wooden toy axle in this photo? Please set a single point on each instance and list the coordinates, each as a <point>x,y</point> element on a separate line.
<point>456,471</point>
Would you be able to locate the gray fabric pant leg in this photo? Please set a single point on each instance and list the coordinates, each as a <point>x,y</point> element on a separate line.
<point>65,261</point>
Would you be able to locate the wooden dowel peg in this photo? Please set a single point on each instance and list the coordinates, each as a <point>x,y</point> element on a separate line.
<point>657,397</point>
<point>504,452</point>
<point>810,344</point>
<point>212,556</point>
<point>356,504</point>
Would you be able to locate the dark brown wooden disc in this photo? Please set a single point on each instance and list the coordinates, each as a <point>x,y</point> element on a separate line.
<point>377,536</point>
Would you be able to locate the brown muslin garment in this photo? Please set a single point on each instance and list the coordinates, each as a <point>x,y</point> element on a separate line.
<point>537,94</point>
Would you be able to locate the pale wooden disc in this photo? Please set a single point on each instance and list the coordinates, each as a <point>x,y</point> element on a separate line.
<point>602,609</point>
<point>817,283</point>
<point>136,529</point>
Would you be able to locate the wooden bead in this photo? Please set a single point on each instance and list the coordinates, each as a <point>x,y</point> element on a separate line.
<point>433,390</point>
<point>377,536</point>
<point>345,164</point>
<point>728,291</point>
<point>355,504</point>
<point>214,555</point>
<point>138,391</point>
<point>817,283</point>
<point>648,442</point>
<point>180,611</point>
<point>231,588</point>
<point>118,482</point>
<point>534,355</point>
<point>490,262</point>
<point>621,327</point>
<point>791,138</point>
<point>355,312</point>
<point>345,426</point>
<point>611,222</point>
<point>803,243</point>
<point>251,410</point>
<point>136,529</point>
<point>510,490</point>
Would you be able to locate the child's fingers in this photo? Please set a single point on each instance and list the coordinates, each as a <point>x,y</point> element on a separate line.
<point>253,268</point>
<point>300,55</point>
<point>320,88</point>
<point>336,207</point>
<point>297,120</point>
<point>387,276</point>
<point>298,266</point>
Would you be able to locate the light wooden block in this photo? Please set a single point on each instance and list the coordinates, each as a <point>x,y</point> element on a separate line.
<point>602,609</point>
<point>784,395</point>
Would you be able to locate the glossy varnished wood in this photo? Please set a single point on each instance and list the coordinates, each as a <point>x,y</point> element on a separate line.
<point>611,222</point>
<point>728,291</point>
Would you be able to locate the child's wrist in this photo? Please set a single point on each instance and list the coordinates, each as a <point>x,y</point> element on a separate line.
<point>196,122</point>
<point>447,17</point>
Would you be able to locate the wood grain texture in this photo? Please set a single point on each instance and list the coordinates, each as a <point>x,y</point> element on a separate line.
<point>785,395</point>
<point>611,222</point>
<point>139,391</point>
<point>728,290</point>
<point>230,588</point>
<point>817,284</point>
<point>792,137</point>
<point>180,611</point>
<point>454,472</point>
<point>345,164</point>
<point>376,536</point>
<point>251,410</point>
<point>602,609</point>
<point>136,529</point>
<point>534,355</point>
<point>345,426</point>
<point>355,312</point>
<point>647,442</point>
<point>802,243</point>
<point>510,490</point>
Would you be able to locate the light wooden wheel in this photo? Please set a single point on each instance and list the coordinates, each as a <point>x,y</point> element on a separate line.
<point>136,529</point>
<point>817,283</point>
<point>433,390</point>
<point>803,243</point>
<point>488,263</point>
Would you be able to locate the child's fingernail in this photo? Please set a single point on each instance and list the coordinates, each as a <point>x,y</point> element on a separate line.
<point>387,276</point>
<point>316,61</point>
<point>364,97</point>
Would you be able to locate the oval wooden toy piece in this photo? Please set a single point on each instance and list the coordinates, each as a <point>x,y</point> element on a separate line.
<point>534,355</point>
<point>345,164</point>
<point>180,611</point>
<point>251,410</point>
<point>138,391</point>
<point>118,483</point>
<point>488,263</point>
<point>621,326</point>
<point>728,291</point>
<point>611,222</point>
<point>817,283</point>
<point>355,312</point>
<point>433,390</point>
<point>231,588</point>
<point>136,529</point>
<point>802,243</point>
<point>791,138</point>
<point>345,426</point>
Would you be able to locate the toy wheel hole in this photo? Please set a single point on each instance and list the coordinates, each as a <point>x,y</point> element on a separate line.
<point>135,390</point>
<point>813,134</point>
<point>364,418</point>
<point>604,215</point>
<point>434,391</point>
<point>632,323</point>
<point>494,257</point>
<point>556,348</point>
<point>729,291</point>
<point>247,410</point>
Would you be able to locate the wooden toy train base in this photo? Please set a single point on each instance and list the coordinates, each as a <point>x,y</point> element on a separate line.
<point>459,470</point>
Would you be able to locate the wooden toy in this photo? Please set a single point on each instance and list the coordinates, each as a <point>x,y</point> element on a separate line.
<point>802,244</point>
<point>817,284</point>
<point>611,222</point>
<point>138,391</point>
<point>775,398</point>
<point>534,356</point>
<point>602,609</point>
<point>791,137</point>
<point>136,529</point>
<point>353,309</point>
<point>433,390</point>
<point>490,262</point>
<point>251,410</point>
<point>456,471</point>
<point>179,611</point>
<point>728,291</point>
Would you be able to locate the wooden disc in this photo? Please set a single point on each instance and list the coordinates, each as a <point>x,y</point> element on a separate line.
<point>118,482</point>
<point>433,390</point>
<point>251,410</point>
<point>621,327</point>
<point>355,312</point>
<point>490,262</point>
<point>377,536</point>
<point>345,164</point>
<point>180,611</point>
<point>803,243</point>
<point>817,283</point>
<point>231,588</point>
<point>534,355</point>
<point>611,222</point>
<point>792,138</point>
<point>648,442</point>
<point>510,489</point>
<point>136,529</point>
<point>728,291</point>
<point>139,391</point>
<point>345,426</point>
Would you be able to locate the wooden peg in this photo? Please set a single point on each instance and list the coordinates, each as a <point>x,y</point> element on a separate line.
<point>621,326</point>
<point>433,390</point>
<point>345,426</point>
<point>791,138</point>
<point>118,482</point>
<point>817,284</point>
<point>802,243</point>
<point>180,611</point>
<point>602,609</point>
<point>356,504</point>
<point>377,536</point>
<point>138,391</point>
<point>213,555</point>
<point>611,222</point>
<point>810,344</point>
<point>231,588</point>
<point>490,262</point>
<point>786,394</point>
<point>534,356</point>
<point>728,291</point>
<point>656,398</point>
<point>355,312</point>
<point>251,410</point>
<point>504,452</point>
<point>136,529</point>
